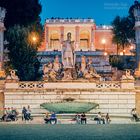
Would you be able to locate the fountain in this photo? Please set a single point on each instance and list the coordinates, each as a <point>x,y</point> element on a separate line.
<point>68,69</point>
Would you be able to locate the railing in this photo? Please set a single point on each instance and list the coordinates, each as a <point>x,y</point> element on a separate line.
<point>107,85</point>
<point>31,85</point>
<point>45,85</point>
<point>56,20</point>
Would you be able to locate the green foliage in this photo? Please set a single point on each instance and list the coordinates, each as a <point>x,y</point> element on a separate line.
<point>122,30</point>
<point>132,18</point>
<point>122,62</point>
<point>117,62</point>
<point>22,20</point>
<point>69,107</point>
<point>21,12</point>
<point>23,54</point>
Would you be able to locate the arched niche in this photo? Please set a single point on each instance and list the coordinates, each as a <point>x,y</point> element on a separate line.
<point>84,40</point>
<point>54,40</point>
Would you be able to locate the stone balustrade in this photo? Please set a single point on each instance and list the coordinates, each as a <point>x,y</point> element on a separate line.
<point>60,20</point>
<point>83,84</point>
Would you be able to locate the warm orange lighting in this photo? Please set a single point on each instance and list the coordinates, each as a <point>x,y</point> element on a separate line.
<point>124,51</point>
<point>34,39</point>
<point>103,41</point>
<point>105,53</point>
<point>131,47</point>
<point>121,53</point>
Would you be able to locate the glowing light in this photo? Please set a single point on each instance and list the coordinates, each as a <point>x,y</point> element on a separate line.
<point>34,38</point>
<point>105,53</point>
<point>103,41</point>
<point>121,53</point>
<point>131,47</point>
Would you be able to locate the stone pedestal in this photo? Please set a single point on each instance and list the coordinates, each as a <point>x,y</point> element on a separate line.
<point>137,73</point>
<point>127,84</point>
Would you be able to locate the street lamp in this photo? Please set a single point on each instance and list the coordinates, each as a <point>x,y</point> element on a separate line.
<point>131,49</point>
<point>33,38</point>
<point>105,53</point>
<point>103,43</point>
<point>121,53</point>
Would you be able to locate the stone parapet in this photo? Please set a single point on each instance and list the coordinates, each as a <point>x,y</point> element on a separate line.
<point>113,97</point>
<point>77,84</point>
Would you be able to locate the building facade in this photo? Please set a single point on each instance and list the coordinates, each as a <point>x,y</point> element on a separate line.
<point>85,33</point>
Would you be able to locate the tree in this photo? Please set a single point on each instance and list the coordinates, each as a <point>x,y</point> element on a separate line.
<point>21,12</point>
<point>121,31</point>
<point>22,52</point>
<point>22,19</point>
<point>132,18</point>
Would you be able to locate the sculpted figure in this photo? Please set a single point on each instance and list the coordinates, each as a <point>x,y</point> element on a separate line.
<point>83,63</point>
<point>68,58</point>
<point>56,64</point>
<point>12,76</point>
<point>48,71</point>
<point>127,76</point>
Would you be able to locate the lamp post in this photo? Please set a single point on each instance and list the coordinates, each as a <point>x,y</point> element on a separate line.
<point>131,49</point>
<point>103,43</point>
<point>33,39</point>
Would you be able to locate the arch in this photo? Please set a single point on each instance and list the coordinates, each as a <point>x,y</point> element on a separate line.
<point>84,40</point>
<point>54,40</point>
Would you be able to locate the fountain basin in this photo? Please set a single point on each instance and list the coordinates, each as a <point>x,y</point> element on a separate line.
<point>69,107</point>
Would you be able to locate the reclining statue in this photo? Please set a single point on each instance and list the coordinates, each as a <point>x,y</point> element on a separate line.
<point>127,76</point>
<point>12,76</point>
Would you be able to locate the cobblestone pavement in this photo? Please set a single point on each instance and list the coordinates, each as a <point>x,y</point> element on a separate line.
<point>69,132</point>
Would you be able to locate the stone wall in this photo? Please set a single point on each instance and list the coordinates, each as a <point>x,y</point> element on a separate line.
<point>138,101</point>
<point>112,97</point>
<point>1,102</point>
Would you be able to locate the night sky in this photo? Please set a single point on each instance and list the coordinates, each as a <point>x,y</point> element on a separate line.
<point>102,11</point>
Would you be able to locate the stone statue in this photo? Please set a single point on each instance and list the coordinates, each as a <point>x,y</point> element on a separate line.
<point>12,76</point>
<point>83,63</point>
<point>2,14</point>
<point>91,74</point>
<point>45,71</point>
<point>127,76</point>
<point>56,64</point>
<point>68,57</point>
<point>48,72</point>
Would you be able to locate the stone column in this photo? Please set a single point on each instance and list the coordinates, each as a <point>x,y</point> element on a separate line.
<point>61,34</point>
<point>47,37</point>
<point>92,38</point>
<point>137,36</point>
<point>2,28</point>
<point>77,37</point>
